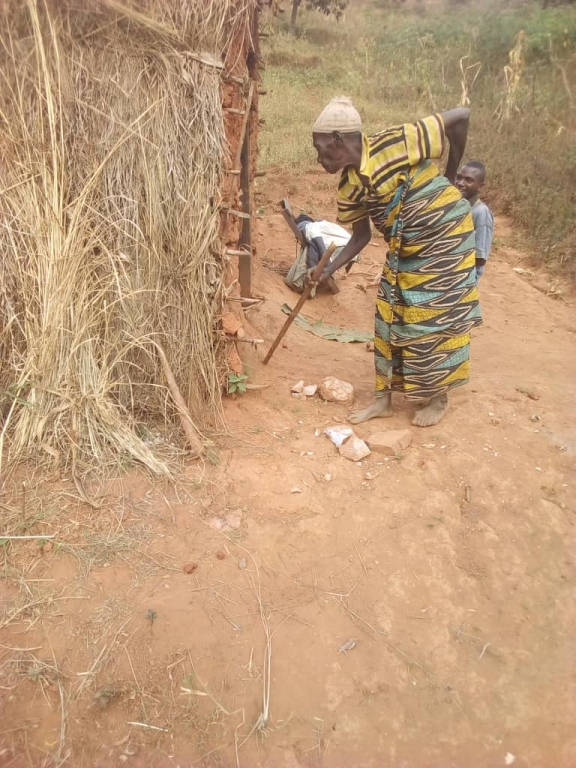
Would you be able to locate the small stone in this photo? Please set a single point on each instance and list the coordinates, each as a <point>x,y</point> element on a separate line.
<point>190,568</point>
<point>336,391</point>
<point>242,563</point>
<point>509,758</point>
<point>218,523</point>
<point>310,390</point>
<point>327,478</point>
<point>338,434</point>
<point>391,443</point>
<point>295,489</point>
<point>234,519</point>
<point>48,547</point>
<point>297,388</point>
<point>221,555</point>
<point>354,449</point>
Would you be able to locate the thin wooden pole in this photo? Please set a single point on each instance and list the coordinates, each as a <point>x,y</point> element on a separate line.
<point>245,242</point>
<point>244,126</point>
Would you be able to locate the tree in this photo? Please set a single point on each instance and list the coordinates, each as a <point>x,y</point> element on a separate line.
<point>327,7</point>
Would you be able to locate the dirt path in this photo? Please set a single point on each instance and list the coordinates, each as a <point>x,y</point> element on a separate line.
<point>452,567</point>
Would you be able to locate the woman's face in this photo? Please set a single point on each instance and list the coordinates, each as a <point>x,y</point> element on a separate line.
<point>331,151</point>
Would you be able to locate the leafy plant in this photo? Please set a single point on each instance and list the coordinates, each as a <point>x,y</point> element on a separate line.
<point>236,383</point>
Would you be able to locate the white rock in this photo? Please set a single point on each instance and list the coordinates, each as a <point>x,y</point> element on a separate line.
<point>297,388</point>
<point>338,434</point>
<point>234,519</point>
<point>509,759</point>
<point>354,449</point>
<point>310,390</point>
<point>336,391</point>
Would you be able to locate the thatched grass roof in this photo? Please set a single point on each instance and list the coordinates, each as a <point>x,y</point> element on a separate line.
<point>112,161</point>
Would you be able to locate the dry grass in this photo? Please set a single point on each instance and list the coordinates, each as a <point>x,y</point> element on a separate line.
<point>113,154</point>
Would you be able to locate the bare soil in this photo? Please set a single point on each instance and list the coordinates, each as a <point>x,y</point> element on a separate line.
<point>141,634</point>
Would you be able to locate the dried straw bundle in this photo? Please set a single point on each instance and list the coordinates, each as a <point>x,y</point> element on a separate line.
<point>113,151</point>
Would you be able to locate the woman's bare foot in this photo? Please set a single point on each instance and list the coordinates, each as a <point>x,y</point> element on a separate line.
<point>380,408</point>
<point>431,413</point>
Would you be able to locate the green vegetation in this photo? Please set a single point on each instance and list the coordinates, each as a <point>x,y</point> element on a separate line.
<point>236,383</point>
<point>327,7</point>
<point>399,63</point>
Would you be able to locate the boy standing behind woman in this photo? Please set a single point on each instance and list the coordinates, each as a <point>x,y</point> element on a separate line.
<point>470,180</point>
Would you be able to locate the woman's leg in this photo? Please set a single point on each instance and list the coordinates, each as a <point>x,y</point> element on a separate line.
<point>431,368</point>
<point>387,362</point>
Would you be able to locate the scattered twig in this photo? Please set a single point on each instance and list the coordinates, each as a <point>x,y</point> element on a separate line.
<point>151,727</point>
<point>361,561</point>
<point>483,651</point>
<point>13,538</point>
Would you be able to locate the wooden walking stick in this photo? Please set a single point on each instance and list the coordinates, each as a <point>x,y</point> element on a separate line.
<point>301,301</point>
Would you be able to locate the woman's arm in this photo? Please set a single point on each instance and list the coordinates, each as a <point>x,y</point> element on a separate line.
<point>361,236</point>
<point>456,123</point>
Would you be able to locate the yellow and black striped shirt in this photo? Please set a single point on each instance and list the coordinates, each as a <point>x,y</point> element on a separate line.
<point>387,159</point>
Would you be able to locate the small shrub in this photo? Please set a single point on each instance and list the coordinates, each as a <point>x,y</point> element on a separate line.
<point>236,383</point>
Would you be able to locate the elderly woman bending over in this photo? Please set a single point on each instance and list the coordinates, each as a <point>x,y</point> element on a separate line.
<point>427,300</point>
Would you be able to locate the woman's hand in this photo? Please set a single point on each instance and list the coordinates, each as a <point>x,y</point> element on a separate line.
<point>326,274</point>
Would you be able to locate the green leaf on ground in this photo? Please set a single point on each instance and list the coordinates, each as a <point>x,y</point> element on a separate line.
<point>330,332</point>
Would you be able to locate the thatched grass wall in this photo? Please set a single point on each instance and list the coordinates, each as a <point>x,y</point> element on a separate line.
<point>113,167</point>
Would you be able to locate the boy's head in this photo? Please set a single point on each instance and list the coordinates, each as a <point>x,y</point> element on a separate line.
<point>470,179</point>
<point>303,218</point>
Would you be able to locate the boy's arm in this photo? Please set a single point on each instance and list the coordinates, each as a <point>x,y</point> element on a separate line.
<point>484,228</point>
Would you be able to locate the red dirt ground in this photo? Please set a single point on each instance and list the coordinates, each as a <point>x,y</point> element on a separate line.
<point>451,566</point>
